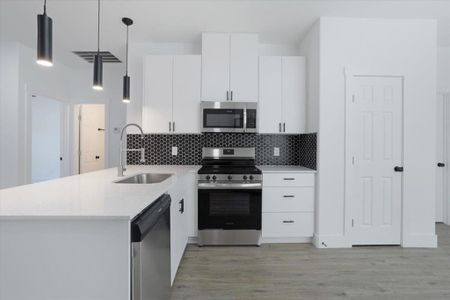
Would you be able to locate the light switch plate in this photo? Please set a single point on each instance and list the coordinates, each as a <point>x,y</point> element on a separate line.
<point>174,151</point>
<point>276,151</point>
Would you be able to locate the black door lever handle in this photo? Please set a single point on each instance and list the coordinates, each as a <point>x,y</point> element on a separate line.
<point>441,165</point>
<point>398,169</point>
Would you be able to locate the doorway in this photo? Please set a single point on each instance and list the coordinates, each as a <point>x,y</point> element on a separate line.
<point>48,125</point>
<point>442,132</point>
<point>374,157</point>
<point>90,137</point>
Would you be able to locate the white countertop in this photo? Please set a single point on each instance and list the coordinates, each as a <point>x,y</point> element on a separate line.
<point>286,169</point>
<point>88,195</point>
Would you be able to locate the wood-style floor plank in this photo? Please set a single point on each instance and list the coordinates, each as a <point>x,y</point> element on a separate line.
<point>300,271</point>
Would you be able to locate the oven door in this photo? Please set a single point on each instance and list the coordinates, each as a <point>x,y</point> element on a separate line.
<point>229,209</point>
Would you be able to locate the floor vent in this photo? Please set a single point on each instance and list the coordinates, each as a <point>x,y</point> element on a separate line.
<point>88,56</point>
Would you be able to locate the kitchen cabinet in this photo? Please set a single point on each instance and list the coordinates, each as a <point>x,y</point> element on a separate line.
<point>171,96</point>
<point>178,226</point>
<point>282,94</point>
<point>230,67</point>
<point>288,206</point>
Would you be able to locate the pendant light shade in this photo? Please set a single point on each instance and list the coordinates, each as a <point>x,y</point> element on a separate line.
<point>98,60</point>
<point>126,79</point>
<point>44,39</point>
<point>98,72</point>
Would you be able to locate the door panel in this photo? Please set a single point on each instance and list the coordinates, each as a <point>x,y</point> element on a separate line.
<point>157,98</point>
<point>269,106</point>
<point>376,139</point>
<point>293,94</point>
<point>186,93</point>
<point>440,172</point>
<point>244,67</point>
<point>92,137</point>
<point>215,66</point>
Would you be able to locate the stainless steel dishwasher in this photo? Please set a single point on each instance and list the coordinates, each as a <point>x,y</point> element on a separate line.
<point>150,252</point>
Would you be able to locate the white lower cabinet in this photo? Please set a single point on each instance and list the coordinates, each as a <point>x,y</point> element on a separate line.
<point>288,206</point>
<point>178,225</point>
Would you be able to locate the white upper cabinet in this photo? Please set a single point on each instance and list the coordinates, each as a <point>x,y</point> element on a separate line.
<point>230,67</point>
<point>282,94</point>
<point>157,94</point>
<point>186,93</point>
<point>244,67</point>
<point>294,94</point>
<point>171,96</point>
<point>269,107</point>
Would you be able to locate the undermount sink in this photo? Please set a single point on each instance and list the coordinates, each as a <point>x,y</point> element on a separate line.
<point>145,178</point>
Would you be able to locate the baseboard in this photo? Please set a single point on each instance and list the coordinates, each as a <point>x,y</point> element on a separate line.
<point>420,241</point>
<point>294,240</point>
<point>330,241</point>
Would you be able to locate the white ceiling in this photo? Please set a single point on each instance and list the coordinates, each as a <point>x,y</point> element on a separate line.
<point>277,21</point>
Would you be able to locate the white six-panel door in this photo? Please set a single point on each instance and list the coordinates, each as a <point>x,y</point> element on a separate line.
<point>376,146</point>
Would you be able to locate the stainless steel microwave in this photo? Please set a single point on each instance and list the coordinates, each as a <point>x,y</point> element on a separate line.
<point>229,117</point>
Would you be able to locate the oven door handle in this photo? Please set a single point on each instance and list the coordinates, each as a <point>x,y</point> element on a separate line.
<point>231,186</point>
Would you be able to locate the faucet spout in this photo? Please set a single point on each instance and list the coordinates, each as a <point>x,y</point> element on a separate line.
<point>122,162</point>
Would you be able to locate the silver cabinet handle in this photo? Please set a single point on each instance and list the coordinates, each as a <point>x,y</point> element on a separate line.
<point>284,127</point>
<point>173,127</point>
<point>288,196</point>
<point>231,95</point>
<point>170,126</point>
<point>289,178</point>
<point>228,98</point>
<point>288,222</point>
<point>279,127</point>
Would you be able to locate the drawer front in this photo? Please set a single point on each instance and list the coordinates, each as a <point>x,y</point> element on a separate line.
<point>288,199</point>
<point>288,179</point>
<point>288,224</point>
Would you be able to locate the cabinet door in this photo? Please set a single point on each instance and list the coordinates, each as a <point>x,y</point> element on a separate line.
<point>186,93</point>
<point>215,66</point>
<point>293,91</point>
<point>244,67</point>
<point>157,94</point>
<point>269,106</point>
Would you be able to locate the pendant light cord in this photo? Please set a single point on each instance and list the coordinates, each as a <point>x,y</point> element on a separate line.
<point>98,27</point>
<point>126,62</point>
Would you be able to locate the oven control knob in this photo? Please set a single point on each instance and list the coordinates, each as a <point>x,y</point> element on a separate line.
<point>251,177</point>
<point>214,177</point>
<point>245,177</point>
<point>229,177</point>
<point>208,177</point>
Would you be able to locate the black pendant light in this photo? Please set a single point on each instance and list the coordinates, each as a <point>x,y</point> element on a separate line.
<point>126,79</point>
<point>98,61</point>
<point>44,39</point>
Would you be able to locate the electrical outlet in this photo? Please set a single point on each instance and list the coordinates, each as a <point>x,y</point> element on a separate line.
<point>276,151</point>
<point>175,151</point>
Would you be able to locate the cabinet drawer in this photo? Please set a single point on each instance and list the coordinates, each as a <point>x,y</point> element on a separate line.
<point>288,199</point>
<point>288,179</point>
<point>287,224</point>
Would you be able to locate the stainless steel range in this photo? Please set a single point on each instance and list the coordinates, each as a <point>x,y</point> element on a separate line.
<point>229,197</point>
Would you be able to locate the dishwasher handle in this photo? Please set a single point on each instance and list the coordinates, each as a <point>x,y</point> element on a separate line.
<point>144,222</point>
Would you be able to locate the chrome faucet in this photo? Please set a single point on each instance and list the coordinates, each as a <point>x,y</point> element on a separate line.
<point>122,164</point>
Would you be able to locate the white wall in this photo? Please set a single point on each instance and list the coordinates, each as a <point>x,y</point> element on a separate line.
<point>21,78</point>
<point>443,69</point>
<point>378,47</point>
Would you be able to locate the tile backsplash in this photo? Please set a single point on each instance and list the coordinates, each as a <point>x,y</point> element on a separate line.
<point>293,149</point>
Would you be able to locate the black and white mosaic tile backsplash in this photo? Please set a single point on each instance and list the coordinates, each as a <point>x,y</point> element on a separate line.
<point>294,149</point>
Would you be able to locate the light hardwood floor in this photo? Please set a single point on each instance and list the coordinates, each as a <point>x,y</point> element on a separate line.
<point>299,271</point>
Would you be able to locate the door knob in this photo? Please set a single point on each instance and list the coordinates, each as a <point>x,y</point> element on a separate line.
<point>398,169</point>
<point>441,165</point>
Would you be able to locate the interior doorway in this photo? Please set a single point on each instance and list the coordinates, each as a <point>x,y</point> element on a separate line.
<point>90,137</point>
<point>442,132</point>
<point>48,124</point>
<point>375,157</point>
